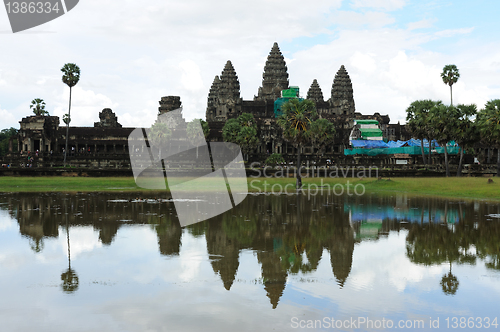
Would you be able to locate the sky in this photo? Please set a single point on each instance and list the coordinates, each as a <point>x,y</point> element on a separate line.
<point>132,53</point>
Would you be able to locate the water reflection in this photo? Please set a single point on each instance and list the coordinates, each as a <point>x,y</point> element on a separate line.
<point>288,234</point>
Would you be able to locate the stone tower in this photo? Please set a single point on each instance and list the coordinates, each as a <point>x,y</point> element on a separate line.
<point>213,100</point>
<point>107,119</point>
<point>167,105</point>
<point>315,93</point>
<point>224,99</point>
<point>275,77</point>
<point>342,100</point>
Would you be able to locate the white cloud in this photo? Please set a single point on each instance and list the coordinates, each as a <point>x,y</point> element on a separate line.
<point>354,19</point>
<point>133,56</point>
<point>422,24</point>
<point>453,32</point>
<point>82,240</point>
<point>380,4</point>
<point>363,62</point>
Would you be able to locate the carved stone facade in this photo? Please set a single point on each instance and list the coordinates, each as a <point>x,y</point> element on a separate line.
<point>224,102</point>
<point>108,119</point>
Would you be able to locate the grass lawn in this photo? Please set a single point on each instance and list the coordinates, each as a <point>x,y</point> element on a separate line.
<point>465,187</point>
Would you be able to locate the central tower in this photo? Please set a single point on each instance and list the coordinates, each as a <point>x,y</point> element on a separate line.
<point>275,77</point>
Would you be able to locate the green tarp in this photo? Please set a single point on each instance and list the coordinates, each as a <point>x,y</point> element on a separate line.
<point>367,122</point>
<point>370,132</point>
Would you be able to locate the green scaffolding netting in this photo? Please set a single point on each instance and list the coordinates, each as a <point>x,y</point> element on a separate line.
<point>411,150</point>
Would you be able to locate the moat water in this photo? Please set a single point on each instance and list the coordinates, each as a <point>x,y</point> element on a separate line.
<point>121,262</point>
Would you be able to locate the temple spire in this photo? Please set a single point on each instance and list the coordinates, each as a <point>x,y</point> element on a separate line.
<point>275,77</point>
<point>213,94</point>
<point>342,99</point>
<point>229,86</point>
<point>315,93</point>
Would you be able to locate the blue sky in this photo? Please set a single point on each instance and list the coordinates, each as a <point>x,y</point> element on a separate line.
<point>133,53</point>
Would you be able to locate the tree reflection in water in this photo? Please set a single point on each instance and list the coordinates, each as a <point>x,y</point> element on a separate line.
<point>288,234</point>
<point>69,278</point>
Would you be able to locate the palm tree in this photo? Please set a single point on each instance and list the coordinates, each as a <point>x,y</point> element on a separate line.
<point>466,133</point>
<point>417,117</point>
<point>322,134</point>
<point>66,119</point>
<point>488,121</point>
<point>450,76</point>
<point>38,106</point>
<point>242,131</point>
<point>158,136</point>
<point>71,76</point>
<point>444,121</point>
<point>296,121</point>
<point>194,135</point>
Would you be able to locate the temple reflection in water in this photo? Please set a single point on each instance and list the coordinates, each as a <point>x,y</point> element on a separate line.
<point>288,235</point>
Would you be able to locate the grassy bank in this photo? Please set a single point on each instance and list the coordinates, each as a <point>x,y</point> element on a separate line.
<point>446,187</point>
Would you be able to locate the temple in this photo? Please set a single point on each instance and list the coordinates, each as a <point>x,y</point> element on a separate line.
<point>224,102</point>
<point>106,143</point>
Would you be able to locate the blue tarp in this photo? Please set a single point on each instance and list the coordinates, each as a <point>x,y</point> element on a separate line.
<point>369,144</point>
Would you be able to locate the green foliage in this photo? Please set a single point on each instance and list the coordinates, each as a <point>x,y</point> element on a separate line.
<point>158,133</point>
<point>66,119</point>
<point>38,107</point>
<point>194,134</point>
<point>274,159</point>
<point>450,76</point>
<point>466,132</point>
<point>488,121</point>
<point>296,120</point>
<point>417,118</point>
<point>71,74</point>
<point>322,134</point>
<point>5,136</point>
<point>241,131</point>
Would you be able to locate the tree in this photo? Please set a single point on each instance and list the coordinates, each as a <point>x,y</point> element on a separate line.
<point>418,121</point>
<point>71,76</point>
<point>488,122</point>
<point>194,134</point>
<point>158,135</point>
<point>66,119</point>
<point>466,133</point>
<point>38,106</point>
<point>450,76</point>
<point>296,121</point>
<point>443,120</point>
<point>5,136</point>
<point>241,131</point>
<point>322,134</point>
<point>275,159</point>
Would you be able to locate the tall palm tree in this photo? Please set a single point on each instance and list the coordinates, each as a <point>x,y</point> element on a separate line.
<point>38,106</point>
<point>466,133</point>
<point>296,121</point>
<point>71,76</point>
<point>450,76</point>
